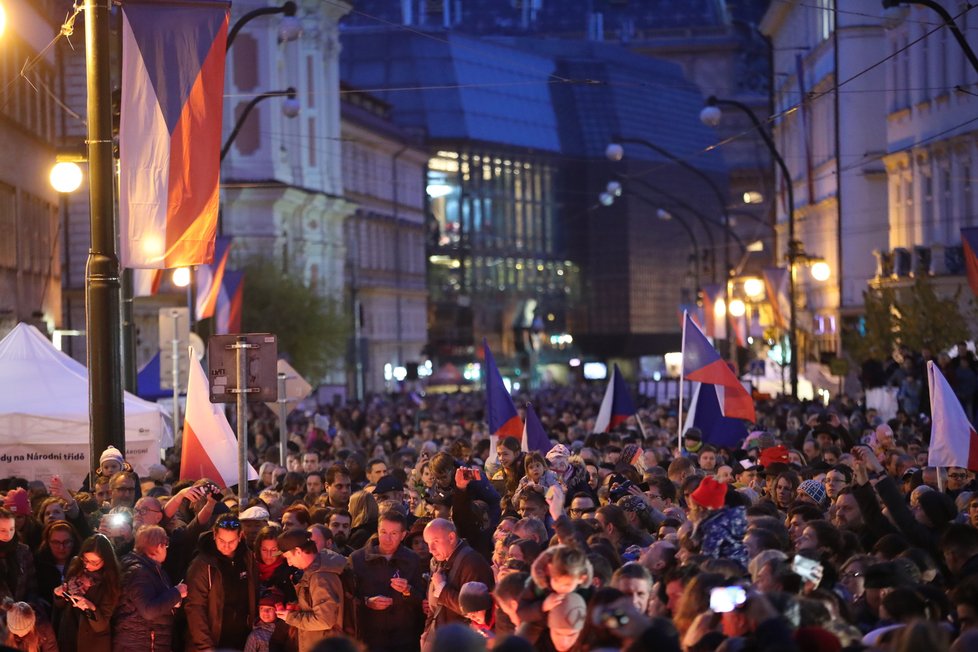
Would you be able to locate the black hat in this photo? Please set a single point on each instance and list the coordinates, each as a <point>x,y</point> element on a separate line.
<point>292,539</point>
<point>938,507</point>
<point>474,597</point>
<point>388,483</point>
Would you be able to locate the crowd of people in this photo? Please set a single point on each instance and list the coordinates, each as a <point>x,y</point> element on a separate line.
<point>397,526</point>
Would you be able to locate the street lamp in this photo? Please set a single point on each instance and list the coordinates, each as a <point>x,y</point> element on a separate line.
<point>948,22</point>
<point>66,176</point>
<point>711,116</point>
<point>290,108</point>
<point>616,152</point>
<point>289,30</point>
<point>181,277</point>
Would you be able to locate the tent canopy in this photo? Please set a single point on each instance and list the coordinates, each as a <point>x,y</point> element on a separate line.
<point>44,408</point>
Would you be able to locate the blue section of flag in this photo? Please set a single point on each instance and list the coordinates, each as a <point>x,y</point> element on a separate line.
<point>622,406</point>
<point>501,414</point>
<point>173,43</point>
<point>148,381</point>
<point>717,429</point>
<point>697,350</point>
<point>534,436</point>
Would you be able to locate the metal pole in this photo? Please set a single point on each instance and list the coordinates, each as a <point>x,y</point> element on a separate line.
<point>175,352</point>
<point>102,323</point>
<point>283,433</point>
<point>128,333</point>
<point>241,357</point>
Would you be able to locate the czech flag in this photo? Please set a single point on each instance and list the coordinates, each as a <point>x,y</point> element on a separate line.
<point>715,328</point>
<point>227,314</point>
<point>617,404</point>
<point>501,414</point>
<point>702,363</point>
<point>146,282</point>
<point>704,413</point>
<point>969,242</point>
<point>534,436</point>
<point>210,277</point>
<point>953,441</point>
<point>776,287</point>
<point>170,131</point>
<point>210,448</point>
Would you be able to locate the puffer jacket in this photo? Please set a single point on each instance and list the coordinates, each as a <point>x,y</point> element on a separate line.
<point>320,596</point>
<point>204,605</point>
<point>144,618</point>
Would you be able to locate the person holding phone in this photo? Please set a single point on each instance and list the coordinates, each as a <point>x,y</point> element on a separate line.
<point>84,604</point>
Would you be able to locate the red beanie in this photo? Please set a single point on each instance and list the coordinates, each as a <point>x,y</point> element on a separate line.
<point>774,455</point>
<point>16,501</point>
<point>710,494</point>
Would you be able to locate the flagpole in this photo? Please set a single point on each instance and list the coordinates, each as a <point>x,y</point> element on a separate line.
<point>682,369</point>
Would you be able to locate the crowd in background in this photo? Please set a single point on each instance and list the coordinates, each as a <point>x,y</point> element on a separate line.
<point>395,525</point>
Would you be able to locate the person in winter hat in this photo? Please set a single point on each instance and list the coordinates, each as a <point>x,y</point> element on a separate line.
<point>720,521</point>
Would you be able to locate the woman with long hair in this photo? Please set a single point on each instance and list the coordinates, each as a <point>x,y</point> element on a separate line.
<point>273,572</point>
<point>59,545</point>
<point>26,630</point>
<point>84,604</point>
<point>364,512</point>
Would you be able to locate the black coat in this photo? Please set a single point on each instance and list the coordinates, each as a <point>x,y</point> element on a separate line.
<point>399,626</point>
<point>144,618</point>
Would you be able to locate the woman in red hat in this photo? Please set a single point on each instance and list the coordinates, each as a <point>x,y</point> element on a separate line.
<point>719,515</point>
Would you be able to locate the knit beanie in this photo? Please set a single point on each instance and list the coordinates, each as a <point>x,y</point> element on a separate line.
<point>938,507</point>
<point>773,455</point>
<point>814,489</point>
<point>16,501</point>
<point>559,450</point>
<point>710,494</point>
<point>474,597</point>
<point>20,619</point>
<point>111,453</point>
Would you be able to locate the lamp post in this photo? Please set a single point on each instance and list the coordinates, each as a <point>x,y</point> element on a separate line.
<point>288,30</point>
<point>948,22</point>
<point>290,108</point>
<point>711,116</point>
<point>615,152</point>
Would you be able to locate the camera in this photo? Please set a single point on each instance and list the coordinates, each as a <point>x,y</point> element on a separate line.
<point>619,487</point>
<point>213,490</point>
<point>725,599</point>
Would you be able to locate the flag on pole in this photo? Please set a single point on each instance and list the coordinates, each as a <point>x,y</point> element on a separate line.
<point>953,441</point>
<point>969,242</point>
<point>170,131</point>
<point>616,406</point>
<point>210,277</point>
<point>210,449</point>
<point>714,327</point>
<point>227,313</point>
<point>702,363</point>
<point>534,436</point>
<point>704,413</point>
<point>501,414</point>
<point>146,282</point>
<point>776,287</point>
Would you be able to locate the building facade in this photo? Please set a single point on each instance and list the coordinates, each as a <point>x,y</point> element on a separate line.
<point>30,210</point>
<point>386,292</point>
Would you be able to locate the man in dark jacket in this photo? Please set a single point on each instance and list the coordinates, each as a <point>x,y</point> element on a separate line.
<point>453,563</point>
<point>389,588</point>
<point>144,618</point>
<point>222,587</point>
<point>319,613</point>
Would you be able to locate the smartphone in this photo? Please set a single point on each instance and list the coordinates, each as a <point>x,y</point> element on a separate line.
<point>807,569</point>
<point>725,599</point>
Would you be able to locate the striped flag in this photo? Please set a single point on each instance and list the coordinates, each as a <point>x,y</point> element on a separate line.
<point>953,441</point>
<point>617,404</point>
<point>776,288</point>
<point>702,363</point>
<point>210,448</point>
<point>969,242</point>
<point>501,414</point>
<point>715,328</point>
<point>170,131</point>
<point>146,282</point>
<point>210,278</point>
<point>227,314</point>
<point>534,436</point>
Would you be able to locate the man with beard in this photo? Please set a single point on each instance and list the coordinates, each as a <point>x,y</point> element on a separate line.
<point>389,588</point>
<point>339,524</point>
<point>17,577</point>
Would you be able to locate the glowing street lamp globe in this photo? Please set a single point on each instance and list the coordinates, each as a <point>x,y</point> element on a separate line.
<point>65,177</point>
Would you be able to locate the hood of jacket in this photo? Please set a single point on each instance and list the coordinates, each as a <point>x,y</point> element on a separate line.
<point>207,547</point>
<point>330,562</point>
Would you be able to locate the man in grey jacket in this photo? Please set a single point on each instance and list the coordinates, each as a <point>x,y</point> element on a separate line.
<point>319,613</point>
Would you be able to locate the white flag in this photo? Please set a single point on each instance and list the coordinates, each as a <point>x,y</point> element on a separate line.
<point>953,441</point>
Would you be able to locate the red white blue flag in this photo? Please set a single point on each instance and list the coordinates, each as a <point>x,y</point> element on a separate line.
<point>617,404</point>
<point>702,364</point>
<point>969,242</point>
<point>953,441</point>
<point>227,314</point>
<point>209,279</point>
<point>534,436</point>
<point>170,131</point>
<point>504,420</point>
<point>776,287</point>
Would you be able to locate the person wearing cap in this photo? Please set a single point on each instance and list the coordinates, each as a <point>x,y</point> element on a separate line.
<point>253,520</point>
<point>261,634</point>
<point>720,519</point>
<point>222,589</point>
<point>389,487</point>
<point>390,588</point>
<point>145,616</point>
<point>319,592</point>
<point>478,607</point>
<point>565,621</point>
<point>25,630</point>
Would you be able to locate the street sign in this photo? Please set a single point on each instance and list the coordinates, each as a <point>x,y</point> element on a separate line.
<point>261,380</point>
<point>174,325</point>
<point>756,367</point>
<point>296,387</point>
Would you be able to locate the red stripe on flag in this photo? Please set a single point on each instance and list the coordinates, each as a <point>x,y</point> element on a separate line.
<point>195,463</point>
<point>193,197</point>
<point>234,312</point>
<point>512,428</point>
<point>973,450</point>
<point>215,288</point>
<point>617,420</point>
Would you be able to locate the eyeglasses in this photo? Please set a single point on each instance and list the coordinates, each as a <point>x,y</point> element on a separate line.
<point>142,511</point>
<point>61,544</point>
<point>852,575</point>
<point>580,511</point>
<point>229,524</point>
<point>957,476</point>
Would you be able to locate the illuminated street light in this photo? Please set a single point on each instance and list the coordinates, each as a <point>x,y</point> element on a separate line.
<point>614,188</point>
<point>753,197</point>
<point>66,176</point>
<point>737,307</point>
<point>181,277</point>
<point>821,271</point>
<point>753,288</point>
<point>606,199</point>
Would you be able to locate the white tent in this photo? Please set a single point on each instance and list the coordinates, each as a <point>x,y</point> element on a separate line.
<point>44,414</point>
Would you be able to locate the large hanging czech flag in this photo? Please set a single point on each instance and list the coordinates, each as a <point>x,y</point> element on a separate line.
<point>170,131</point>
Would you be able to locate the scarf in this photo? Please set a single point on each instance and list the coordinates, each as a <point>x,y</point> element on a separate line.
<point>265,571</point>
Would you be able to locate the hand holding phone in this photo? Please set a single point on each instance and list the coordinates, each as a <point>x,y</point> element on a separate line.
<point>807,569</point>
<point>725,599</point>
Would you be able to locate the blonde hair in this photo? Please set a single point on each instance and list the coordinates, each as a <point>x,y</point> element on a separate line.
<point>363,508</point>
<point>150,536</point>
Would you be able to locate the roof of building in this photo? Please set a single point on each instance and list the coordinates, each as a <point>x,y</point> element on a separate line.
<point>553,96</point>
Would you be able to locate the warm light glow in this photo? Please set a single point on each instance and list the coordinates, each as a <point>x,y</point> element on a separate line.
<point>753,197</point>
<point>181,277</point>
<point>152,246</point>
<point>720,309</point>
<point>753,287</point>
<point>821,271</point>
<point>65,176</point>
<point>737,308</point>
<point>3,19</point>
